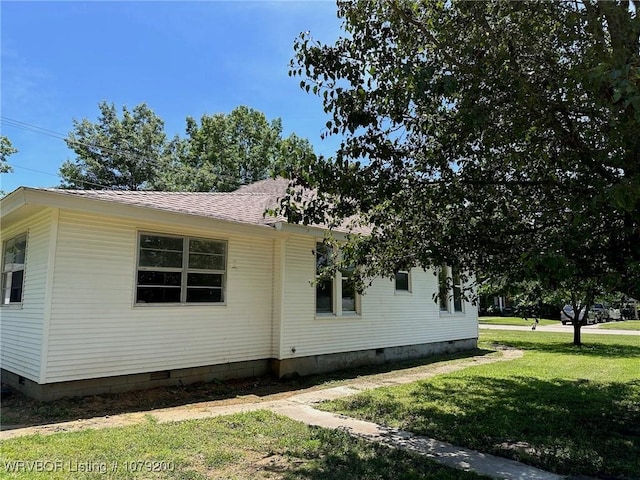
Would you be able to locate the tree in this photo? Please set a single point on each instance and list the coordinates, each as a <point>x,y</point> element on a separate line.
<point>115,153</point>
<point>6,149</point>
<point>497,137</point>
<point>224,151</point>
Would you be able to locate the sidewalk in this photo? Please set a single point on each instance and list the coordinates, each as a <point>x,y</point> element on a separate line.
<point>300,406</point>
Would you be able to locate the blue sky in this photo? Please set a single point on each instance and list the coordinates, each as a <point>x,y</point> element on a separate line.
<point>60,59</point>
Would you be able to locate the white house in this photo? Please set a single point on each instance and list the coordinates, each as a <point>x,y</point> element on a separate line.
<point>107,291</point>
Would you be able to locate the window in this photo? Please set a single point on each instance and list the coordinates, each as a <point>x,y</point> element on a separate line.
<point>180,270</point>
<point>443,290</point>
<point>13,260</point>
<point>340,286</point>
<point>402,282</point>
<point>324,287</point>
<point>457,290</point>
<point>450,289</point>
<point>348,293</point>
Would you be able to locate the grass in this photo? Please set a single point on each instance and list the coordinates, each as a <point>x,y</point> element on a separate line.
<point>626,325</point>
<point>245,446</point>
<point>19,410</point>
<point>515,321</point>
<point>570,410</point>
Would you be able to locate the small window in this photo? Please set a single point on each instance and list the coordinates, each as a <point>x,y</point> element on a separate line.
<point>13,260</point>
<point>180,270</point>
<point>402,281</point>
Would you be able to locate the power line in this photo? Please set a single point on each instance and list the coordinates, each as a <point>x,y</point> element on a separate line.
<point>11,122</point>
<point>44,131</point>
<point>13,165</point>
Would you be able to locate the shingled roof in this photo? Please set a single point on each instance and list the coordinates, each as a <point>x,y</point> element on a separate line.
<point>245,205</point>
<point>248,204</point>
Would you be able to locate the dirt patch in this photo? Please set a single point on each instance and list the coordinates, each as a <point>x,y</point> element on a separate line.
<point>202,400</point>
<point>20,411</point>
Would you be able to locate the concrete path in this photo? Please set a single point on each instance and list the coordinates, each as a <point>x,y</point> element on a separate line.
<point>300,406</point>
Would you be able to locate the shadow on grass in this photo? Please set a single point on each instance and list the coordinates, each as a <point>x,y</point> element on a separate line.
<point>589,348</point>
<point>569,427</point>
<point>19,411</point>
<point>341,457</point>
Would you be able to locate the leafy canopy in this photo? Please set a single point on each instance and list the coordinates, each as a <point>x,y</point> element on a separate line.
<point>6,149</point>
<point>115,153</point>
<point>500,137</point>
<point>222,152</point>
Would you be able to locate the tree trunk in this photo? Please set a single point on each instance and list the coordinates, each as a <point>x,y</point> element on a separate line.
<point>576,333</point>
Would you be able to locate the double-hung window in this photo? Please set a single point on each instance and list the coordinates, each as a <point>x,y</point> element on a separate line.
<point>348,292</point>
<point>450,289</point>
<point>340,287</point>
<point>13,259</point>
<point>175,269</point>
<point>324,286</point>
<point>443,289</point>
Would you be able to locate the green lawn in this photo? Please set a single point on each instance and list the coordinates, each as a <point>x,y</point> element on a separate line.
<point>246,446</point>
<point>562,408</point>
<point>626,325</point>
<point>515,321</point>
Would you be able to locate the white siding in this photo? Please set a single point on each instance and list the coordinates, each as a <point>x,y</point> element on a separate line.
<point>21,327</point>
<point>387,318</point>
<point>96,330</point>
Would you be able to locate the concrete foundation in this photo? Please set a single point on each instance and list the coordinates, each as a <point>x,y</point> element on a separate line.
<point>339,361</point>
<point>139,381</point>
<point>253,368</point>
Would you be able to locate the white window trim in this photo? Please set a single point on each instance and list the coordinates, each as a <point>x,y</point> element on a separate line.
<point>184,271</point>
<point>336,294</point>
<point>7,273</point>
<point>450,302</point>
<point>409,290</point>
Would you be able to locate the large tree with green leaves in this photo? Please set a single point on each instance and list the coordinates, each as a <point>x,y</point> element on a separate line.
<point>116,152</point>
<point>498,137</point>
<point>6,150</point>
<point>225,151</point>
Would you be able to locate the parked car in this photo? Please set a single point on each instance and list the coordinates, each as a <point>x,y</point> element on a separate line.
<point>599,312</point>
<point>567,315</point>
<point>615,314</point>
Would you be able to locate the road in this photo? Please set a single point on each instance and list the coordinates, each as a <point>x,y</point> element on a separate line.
<point>561,328</point>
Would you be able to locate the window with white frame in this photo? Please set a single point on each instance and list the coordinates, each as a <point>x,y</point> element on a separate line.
<point>443,289</point>
<point>14,253</point>
<point>174,269</point>
<point>450,290</point>
<point>336,295</point>
<point>324,286</point>
<point>403,281</point>
<point>348,293</point>
<point>457,290</point>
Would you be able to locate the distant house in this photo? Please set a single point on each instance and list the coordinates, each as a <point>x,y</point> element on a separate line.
<point>107,291</point>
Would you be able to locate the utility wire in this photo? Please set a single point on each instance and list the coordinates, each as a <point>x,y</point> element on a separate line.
<point>11,122</point>
<point>50,133</point>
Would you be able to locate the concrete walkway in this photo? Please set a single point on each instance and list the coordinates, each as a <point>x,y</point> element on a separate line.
<point>300,406</point>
